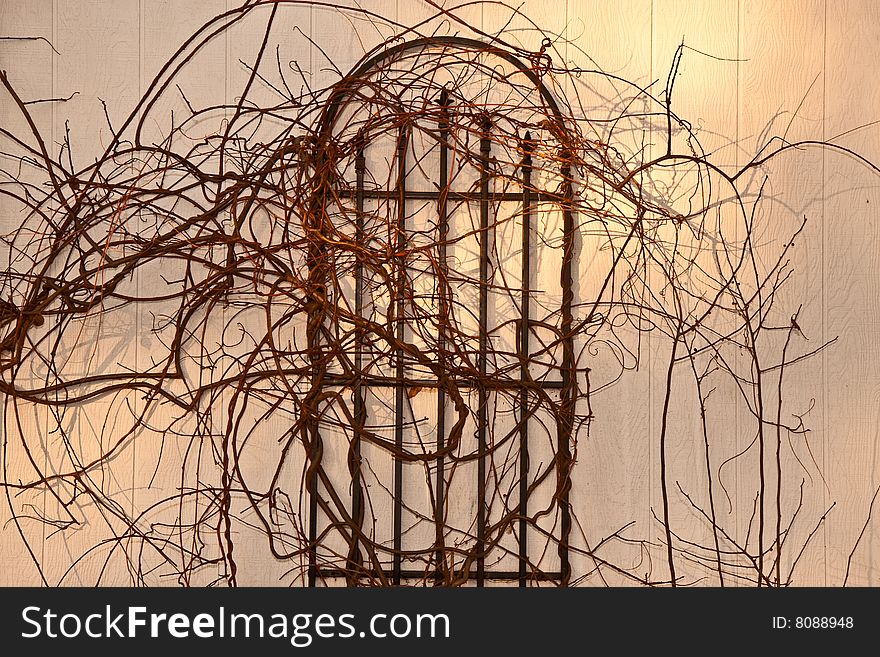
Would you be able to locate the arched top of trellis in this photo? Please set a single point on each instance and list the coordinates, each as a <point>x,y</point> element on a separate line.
<point>352,80</point>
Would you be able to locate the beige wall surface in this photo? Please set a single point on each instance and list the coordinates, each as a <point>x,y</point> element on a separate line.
<point>754,76</point>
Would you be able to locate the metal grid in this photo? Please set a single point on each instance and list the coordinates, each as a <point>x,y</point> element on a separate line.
<point>527,198</point>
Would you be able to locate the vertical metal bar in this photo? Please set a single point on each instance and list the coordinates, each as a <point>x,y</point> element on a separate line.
<point>524,360</point>
<point>568,393</point>
<point>316,316</point>
<point>399,303</point>
<point>355,557</point>
<point>314,451</point>
<point>483,400</point>
<point>442,291</point>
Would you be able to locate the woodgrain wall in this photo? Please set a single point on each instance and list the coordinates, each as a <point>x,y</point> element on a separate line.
<point>805,69</point>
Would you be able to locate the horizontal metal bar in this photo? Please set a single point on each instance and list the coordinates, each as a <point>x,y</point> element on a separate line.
<point>421,574</point>
<point>392,194</point>
<point>379,382</point>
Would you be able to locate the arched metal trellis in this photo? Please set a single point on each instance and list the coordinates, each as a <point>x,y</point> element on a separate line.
<point>438,166</point>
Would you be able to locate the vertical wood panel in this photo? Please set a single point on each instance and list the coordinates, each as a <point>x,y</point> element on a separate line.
<point>611,477</point>
<point>703,93</point>
<point>170,463</point>
<point>851,268</point>
<point>263,432</point>
<point>781,83</point>
<point>100,61</point>
<point>28,65</point>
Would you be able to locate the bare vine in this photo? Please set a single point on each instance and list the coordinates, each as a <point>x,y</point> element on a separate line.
<point>343,326</point>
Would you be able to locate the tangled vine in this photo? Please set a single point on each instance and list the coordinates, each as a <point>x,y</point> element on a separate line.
<point>362,331</point>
